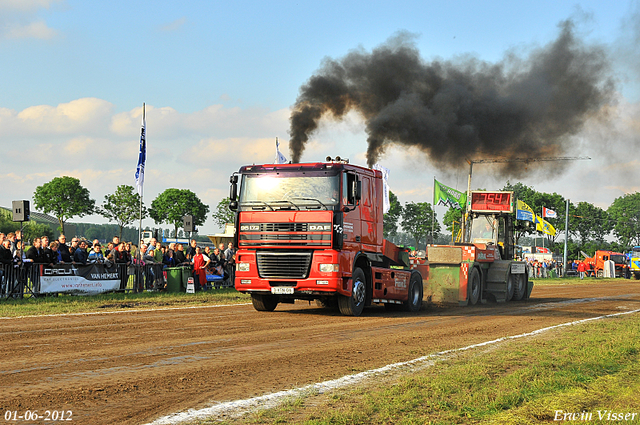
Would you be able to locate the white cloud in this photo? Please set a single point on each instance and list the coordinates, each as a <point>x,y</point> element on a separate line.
<point>87,115</point>
<point>174,26</point>
<point>38,30</point>
<point>26,5</point>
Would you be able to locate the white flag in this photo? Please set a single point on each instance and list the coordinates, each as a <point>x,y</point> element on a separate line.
<point>386,204</point>
<point>280,158</point>
<point>142,157</point>
<point>547,213</point>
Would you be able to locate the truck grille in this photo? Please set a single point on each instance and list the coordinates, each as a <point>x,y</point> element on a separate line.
<point>283,227</point>
<point>284,265</point>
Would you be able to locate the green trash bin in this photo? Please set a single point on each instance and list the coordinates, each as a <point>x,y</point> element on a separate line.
<point>174,279</point>
<point>186,273</point>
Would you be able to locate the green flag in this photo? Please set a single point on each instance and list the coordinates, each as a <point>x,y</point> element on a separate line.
<point>444,195</point>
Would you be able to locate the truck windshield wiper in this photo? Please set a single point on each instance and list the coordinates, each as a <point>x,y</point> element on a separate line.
<point>257,202</point>
<point>288,202</point>
<point>314,200</point>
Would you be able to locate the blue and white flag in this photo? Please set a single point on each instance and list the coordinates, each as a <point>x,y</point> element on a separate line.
<point>524,212</point>
<point>280,158</point>
<point>547,213</point>
<point>142,157</point>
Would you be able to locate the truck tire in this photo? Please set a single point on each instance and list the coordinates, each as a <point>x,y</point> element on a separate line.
<point>264,302</point>
<point>520,287</point>
<point>473,286</point>
<point>636,276</point>
<point>510,287</point>
<point>600,273</point>
<point>414,301</point>
<point>354,304</point>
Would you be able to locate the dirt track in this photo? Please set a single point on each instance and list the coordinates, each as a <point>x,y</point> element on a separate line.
<point>132,367</point>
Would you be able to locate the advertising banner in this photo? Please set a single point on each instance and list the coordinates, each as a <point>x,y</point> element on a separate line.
<point>79,279</point>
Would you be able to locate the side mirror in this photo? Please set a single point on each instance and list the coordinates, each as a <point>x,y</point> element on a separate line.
<point>233,205</point>
<point>233,192</point>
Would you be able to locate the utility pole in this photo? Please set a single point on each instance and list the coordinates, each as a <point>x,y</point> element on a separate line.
<point>566,238</point>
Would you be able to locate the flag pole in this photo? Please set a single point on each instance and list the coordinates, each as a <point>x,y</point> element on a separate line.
<point>566,237</point>
<point>542,229</point>
<point>143,131</point>
<point>142,159</point>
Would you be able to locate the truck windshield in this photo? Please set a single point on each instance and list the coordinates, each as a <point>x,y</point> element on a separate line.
<point>619,259</point>
<point>636,252</point>
<point>282,192</point>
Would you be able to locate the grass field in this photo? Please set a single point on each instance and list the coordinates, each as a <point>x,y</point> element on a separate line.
<point>588,369</point>
<point>116,301</point>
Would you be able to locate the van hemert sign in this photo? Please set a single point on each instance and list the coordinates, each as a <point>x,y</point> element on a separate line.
<point>76,279</point>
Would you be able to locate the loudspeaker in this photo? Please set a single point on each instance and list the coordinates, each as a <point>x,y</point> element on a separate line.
<point>21,211</point>
<point>188,223</point>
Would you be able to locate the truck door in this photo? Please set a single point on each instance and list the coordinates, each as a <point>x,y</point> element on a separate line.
<point>368,228</point>
<point>351,221</point>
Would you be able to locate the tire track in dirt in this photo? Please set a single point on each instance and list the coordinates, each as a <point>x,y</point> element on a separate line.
<point>133,367</point>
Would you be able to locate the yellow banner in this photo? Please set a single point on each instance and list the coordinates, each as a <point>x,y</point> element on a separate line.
<point>544,226</point>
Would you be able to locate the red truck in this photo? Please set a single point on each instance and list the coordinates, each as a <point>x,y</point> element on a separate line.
<point>313,231</point>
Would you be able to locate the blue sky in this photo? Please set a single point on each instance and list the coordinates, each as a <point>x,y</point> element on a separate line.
<point>219,79</point>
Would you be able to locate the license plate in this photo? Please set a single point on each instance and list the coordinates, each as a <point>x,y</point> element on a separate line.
<point>282,290</point>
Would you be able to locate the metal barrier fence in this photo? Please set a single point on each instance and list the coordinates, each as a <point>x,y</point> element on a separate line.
<point>18,281</point>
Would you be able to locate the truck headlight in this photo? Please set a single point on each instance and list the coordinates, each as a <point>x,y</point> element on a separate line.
<point>328,268</point>
<point>242,267</point>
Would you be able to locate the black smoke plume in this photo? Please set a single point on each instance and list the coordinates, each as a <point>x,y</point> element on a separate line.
<point>463,108</point>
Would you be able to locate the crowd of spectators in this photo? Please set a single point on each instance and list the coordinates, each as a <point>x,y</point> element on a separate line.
<point>219,261</point>
<point>542,269</point>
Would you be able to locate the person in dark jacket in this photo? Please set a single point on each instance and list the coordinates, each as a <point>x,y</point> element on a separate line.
<point>80,255</point>
<point>179,254</point>
<point>35,252</point>
<point>63,250</point>
<point>51,253</point>
<point>5,252</point>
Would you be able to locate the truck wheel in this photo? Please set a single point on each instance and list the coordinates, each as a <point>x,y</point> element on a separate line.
<point>510,287</point>
<point>600,273</point>
<point>354,304</point>
<point>264,302</point>
<point>414,302</point>
<point>473,286</point>
<point>636,276</point>
<point>519,287</point>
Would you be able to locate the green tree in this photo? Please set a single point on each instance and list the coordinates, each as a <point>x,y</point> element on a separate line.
<point>391,218</point>
<point>173,204</point>
<point>625,213</point>
<point>590,222</point>
<point>123,207</point>
<point>64,197</point>
<point>223,215</point>
<point>417,219</point>
<point>453,220</point>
